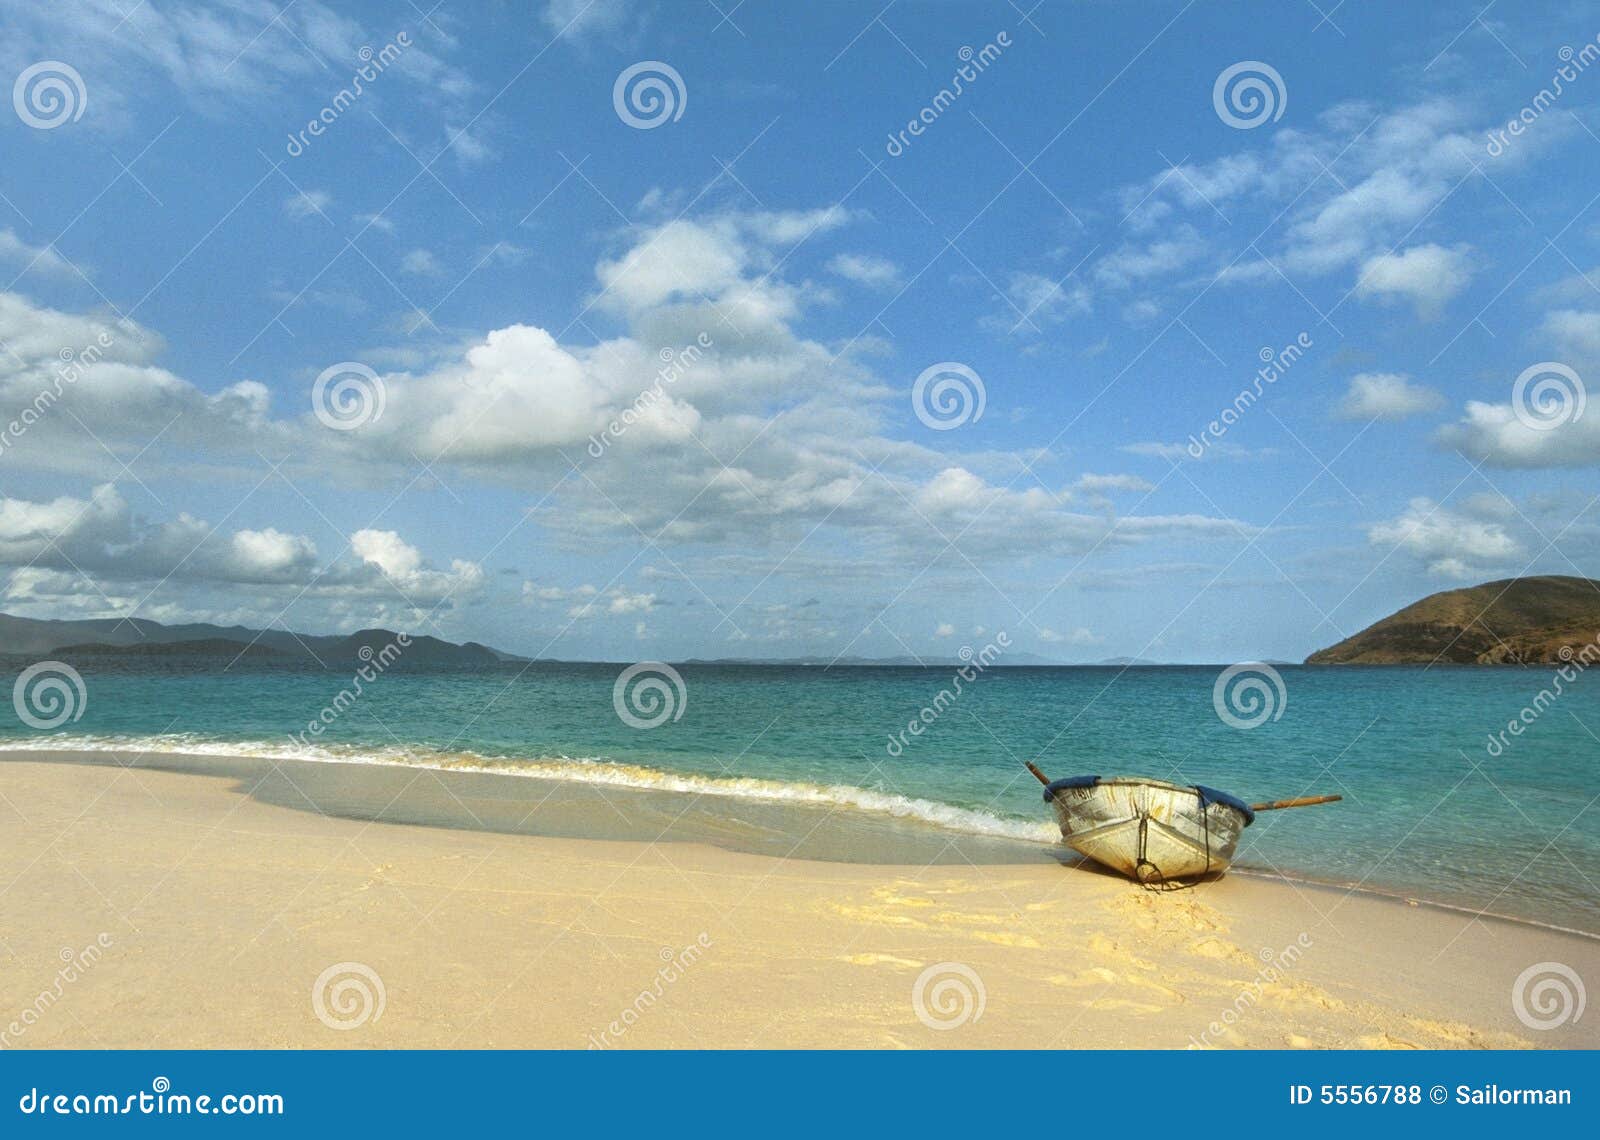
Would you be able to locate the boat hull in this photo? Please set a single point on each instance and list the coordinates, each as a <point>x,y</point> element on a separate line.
<point>1149,830</point>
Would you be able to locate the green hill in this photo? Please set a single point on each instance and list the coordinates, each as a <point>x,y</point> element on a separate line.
<point>1513,621</point>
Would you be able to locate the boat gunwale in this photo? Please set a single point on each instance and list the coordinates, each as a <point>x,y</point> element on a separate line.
<point>1103,781</point>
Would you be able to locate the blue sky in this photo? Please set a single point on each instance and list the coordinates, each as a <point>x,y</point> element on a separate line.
<point>1098,225</point>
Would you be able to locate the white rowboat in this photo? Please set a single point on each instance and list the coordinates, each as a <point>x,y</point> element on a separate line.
<point>1152,831</point>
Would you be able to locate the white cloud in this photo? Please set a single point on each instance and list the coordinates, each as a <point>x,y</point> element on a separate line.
<point>420,262</point>
<point>1079,636</point>
<point>43,260</point>
<point>1133,263</point>
<point>1387,396</point>
<point>1036,300</point>
<point>469,146</point>
<point>296,57</point>
<point>577,18</point>
<point>518,408</point>
<point>271,553</point>
<point>1389,170</point>
<point>1576,334</point>
<point>306,203</point>
<point>1100,483</point>
<point>102,538</point>
<point>1452,544</point>
<point>1494,434</point>
<point>589,601</point>
<point>1426,275</point>
<point>865,269</point>
<point>945,629</point>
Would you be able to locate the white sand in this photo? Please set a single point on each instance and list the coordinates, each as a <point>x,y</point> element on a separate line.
<point>219,913</point>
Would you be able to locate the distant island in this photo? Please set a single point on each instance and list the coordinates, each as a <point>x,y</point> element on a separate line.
<point>139,637</point>
<point>200,647</point>
<point>1515,621</point>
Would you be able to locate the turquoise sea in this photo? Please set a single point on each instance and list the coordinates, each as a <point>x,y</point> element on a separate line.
<point>1431,809</point>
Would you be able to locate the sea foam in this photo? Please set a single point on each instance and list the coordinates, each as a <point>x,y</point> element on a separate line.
<point>580,770</point>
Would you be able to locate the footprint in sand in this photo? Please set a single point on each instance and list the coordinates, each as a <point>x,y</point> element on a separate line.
<point>1382,1041</point>
<point>881,960</point>
<point>1213,948</point>
<point>1100,944</point>
<point>1125,1004</point>
<point>1105,976</point>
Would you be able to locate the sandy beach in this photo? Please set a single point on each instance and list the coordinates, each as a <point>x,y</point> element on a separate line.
<point>143,907</point>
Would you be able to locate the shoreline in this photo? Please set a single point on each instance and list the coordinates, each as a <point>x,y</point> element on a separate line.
<point>879,838</point>
<point>225,902</point>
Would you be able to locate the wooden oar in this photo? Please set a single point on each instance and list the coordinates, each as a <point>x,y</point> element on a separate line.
<point>1303,801</point>
<point>1038,775</point>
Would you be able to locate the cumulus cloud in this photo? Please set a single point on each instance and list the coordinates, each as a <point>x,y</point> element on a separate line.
<point>1495,434</point>
<point>1426,275</point>
<point>1450,543</point>
<point>1387,396</point>
<point>757,441</point>
<point>1576,333</point>
<point>100,535</point>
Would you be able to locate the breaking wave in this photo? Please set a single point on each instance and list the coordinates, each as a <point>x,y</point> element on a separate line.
<point>579,770</point>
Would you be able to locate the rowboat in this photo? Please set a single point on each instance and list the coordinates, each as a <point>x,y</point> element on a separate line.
<point>1150,830</point>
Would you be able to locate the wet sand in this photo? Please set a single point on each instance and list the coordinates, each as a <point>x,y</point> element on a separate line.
<point>182,901</point>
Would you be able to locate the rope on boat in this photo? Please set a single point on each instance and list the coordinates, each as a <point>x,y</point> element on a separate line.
<point>1154,879</point>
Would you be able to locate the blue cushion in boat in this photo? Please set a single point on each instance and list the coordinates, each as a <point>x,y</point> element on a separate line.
<point>1067,782</point>
<point>1209,796</point>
